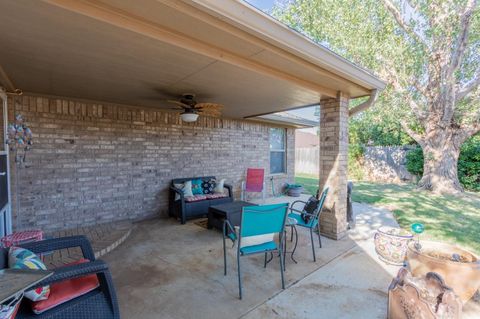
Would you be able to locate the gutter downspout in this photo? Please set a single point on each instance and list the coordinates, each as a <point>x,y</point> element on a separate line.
<point>365,105</point>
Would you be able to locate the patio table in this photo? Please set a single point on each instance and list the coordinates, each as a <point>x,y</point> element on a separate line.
<point>290,222</point>
<point>14,282</point>
<point>229,211</point>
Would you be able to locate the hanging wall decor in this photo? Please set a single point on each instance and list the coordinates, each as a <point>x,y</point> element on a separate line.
<point>19,139</point>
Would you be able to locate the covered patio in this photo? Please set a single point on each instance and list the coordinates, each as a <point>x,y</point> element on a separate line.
<point>91,79</point>
<point>94,77</point>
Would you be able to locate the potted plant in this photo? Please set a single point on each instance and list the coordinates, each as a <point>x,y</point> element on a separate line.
<point>391,244</point>
<point>459,267</point>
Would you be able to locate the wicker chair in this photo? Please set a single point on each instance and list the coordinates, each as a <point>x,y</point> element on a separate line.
<point>99,303</point>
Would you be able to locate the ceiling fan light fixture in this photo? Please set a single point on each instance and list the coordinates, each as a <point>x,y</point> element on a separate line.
<point>189,117</point>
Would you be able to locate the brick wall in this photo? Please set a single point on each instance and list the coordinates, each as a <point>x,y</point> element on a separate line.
<point>95,163</point>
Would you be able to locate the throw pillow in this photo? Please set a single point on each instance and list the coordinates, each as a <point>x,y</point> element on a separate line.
<point>67,290</point>
<point>208,186</point>
<point>219,186</point>
<point>10,308</point>
<point>21,258</point>
<point>310,208</point>
<point>186,188</point>
<point>197,187</point>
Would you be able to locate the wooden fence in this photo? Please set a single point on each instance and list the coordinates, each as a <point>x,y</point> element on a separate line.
<point>306,160</point>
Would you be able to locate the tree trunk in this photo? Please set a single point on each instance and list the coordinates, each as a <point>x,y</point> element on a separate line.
<point>441,150</point>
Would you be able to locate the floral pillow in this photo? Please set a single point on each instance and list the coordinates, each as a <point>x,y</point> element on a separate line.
<point>197,187</point>
<point>9,310</point>
<point>21,258</point>
<point>208,186</point>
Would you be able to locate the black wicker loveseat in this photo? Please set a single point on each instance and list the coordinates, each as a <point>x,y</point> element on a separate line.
<point>184,208</point>
<point>98,303</point>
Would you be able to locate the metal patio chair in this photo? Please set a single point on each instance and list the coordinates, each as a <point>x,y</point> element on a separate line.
<point>254,183</point>
<point>312,210</point>
<point>257,221</point>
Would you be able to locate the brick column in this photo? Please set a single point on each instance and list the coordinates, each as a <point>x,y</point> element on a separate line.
<point>333,164</point>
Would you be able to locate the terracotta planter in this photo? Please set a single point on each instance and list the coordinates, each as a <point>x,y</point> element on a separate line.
<point>391,244</point>
<point>462,276</point>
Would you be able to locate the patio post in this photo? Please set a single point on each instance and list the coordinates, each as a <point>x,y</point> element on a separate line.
<point>333,164</point>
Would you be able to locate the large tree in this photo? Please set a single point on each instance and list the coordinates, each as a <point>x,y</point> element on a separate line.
<point>429,53</point>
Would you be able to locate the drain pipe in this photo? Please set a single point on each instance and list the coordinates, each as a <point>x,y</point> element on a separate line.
<point>365,105</point>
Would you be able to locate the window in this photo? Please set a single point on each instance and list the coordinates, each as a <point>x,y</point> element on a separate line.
<point>277,151</point>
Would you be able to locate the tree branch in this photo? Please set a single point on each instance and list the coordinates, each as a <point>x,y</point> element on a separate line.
<point>402,23</point>
<point>468,87</point>
<point>392,76</point>
<point>416,136</point>
<point>458,52</point>
<point>419,87</point>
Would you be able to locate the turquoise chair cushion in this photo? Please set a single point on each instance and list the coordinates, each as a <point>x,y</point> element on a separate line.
<point>271,245</point>
<point>301,222</point>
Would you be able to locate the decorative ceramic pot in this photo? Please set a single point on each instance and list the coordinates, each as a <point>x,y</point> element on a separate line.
<point>391,244</point>
<point>459,268</point>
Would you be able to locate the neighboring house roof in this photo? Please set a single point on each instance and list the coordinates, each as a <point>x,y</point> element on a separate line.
<point>288,119</point>
<point>306,140</point>
<point>135,52</point>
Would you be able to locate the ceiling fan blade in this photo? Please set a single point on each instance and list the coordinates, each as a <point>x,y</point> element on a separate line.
<point>210,106</point>
<point>209,109</point>
<point>178,103</point>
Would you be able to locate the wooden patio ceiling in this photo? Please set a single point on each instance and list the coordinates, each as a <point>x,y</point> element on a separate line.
<point>127,51</point>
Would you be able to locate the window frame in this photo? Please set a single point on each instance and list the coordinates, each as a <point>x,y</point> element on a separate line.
<point>284,150</point>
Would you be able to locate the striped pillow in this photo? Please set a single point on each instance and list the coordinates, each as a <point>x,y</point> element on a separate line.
<point>21,258</point>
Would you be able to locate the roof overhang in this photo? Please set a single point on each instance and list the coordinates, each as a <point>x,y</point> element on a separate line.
<point>285,120</point>
<point>126,51</point>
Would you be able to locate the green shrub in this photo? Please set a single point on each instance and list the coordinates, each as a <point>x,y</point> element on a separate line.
<point>468,163</point>
<point>415,161</point>
<point>355,156</point>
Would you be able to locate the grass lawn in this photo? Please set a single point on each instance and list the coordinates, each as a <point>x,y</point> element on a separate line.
<point>446,218</point>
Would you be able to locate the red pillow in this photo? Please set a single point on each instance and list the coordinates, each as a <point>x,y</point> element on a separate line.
<point>66,290</point>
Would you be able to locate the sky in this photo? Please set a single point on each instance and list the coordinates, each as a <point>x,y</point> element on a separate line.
<point>264,5</point>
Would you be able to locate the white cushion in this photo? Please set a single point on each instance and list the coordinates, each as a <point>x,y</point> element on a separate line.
<point>219,186</point>
<point>186,188</point>
<point>255,240</point>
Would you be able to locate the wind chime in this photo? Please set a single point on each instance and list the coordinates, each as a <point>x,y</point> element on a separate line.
<point>19,139</point>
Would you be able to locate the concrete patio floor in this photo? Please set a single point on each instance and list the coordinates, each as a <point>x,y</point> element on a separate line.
<point>168,270</point>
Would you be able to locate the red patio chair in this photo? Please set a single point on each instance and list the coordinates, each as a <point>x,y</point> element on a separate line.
<point>255,182</point>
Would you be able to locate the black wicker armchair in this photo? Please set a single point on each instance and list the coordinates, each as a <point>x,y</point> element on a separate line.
<point>99,303</point>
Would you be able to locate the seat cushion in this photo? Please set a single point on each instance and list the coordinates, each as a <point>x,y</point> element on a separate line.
<point>195,198</point>
<point>216,195</point>
<point>271,245</point>
<point>67,290</point>
<point>21,258</point>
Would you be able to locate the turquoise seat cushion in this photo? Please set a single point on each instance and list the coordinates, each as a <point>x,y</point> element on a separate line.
<point>301,222</point>
<point>271,245</point>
